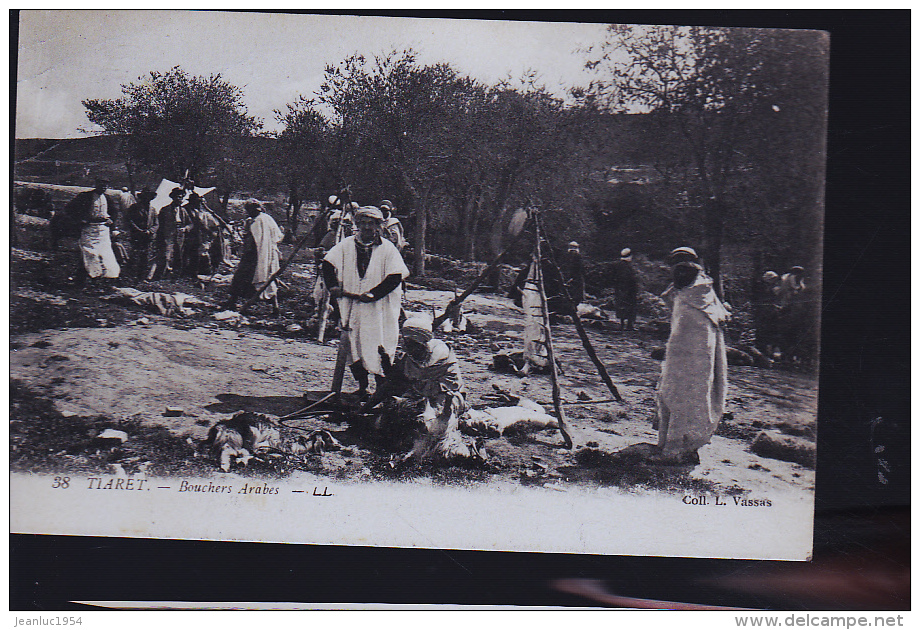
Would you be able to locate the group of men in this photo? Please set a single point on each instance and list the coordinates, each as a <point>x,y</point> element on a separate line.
<point>183,238</point>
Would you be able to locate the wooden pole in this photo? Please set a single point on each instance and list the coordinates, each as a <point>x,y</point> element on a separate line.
<point>338,374</point>
<point>324,303</point>
<point>554,376</point>
<point>454,303</point>
<point>583,334</point>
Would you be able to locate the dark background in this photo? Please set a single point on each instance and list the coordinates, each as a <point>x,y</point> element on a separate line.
<point>862,525</point>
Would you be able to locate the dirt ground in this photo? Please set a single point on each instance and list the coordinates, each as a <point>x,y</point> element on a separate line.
<point>82,362</point>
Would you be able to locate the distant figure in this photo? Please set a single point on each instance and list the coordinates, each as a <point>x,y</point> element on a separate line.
<point>790,285</point>
<point>552,287</point>
<point>626,290</point>
<point>573,271</point>
<point>333,206</point>
<point>793,317</point>
<point>124,200</point>
<point>91,210</point>
<point>364,273</point>
<point>174,224</point>
<point>766,314</point>
<point>392,228</point>
<point>142,227</point>
<point>329,238</point>
<point>691,392</point>
<point>260,258</point>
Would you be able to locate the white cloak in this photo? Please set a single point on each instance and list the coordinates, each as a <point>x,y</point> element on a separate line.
<point>267,235</point>
<point>694,377</point>
<point>98,255</point>
<point>535,350</point>
<point>368,324</point>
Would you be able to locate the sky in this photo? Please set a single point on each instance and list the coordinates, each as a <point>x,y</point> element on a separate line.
<point>68,56</point>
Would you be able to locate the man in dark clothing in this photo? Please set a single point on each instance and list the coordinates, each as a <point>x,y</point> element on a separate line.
<point>573,269</point>
<point>203,249</point>
<point>174,224</point>
<point>142,225</point>
<point>626,287</point>
<point>552,286</point>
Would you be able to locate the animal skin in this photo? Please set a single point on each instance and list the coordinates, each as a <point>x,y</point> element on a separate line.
<point>237,438</point>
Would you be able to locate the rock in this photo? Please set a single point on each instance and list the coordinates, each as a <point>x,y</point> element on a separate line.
<point>226,315</point>
<point>784,447</point>
<point>737,357</point>
<point>760,359</point>
<point>173,412</point>
<point>113,434</point>
<point>292,328</point>
<point>582,395</point>
<point>658,353</point>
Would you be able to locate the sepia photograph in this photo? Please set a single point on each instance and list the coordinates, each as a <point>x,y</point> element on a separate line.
<point>417,282</point>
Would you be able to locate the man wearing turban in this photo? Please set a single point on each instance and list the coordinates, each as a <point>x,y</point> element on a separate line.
<point>427,379</point>
<point>694,378</point>
<point>260,258</point>
<point>364,272</point>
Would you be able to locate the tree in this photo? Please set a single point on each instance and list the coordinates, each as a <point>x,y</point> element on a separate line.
<point>394,122</point>
<point>516,145</point>
<point>722,90</point>
<point>174,123</point>
<point>304,155</point>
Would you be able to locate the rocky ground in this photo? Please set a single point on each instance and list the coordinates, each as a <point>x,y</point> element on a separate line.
<point>82,362</point>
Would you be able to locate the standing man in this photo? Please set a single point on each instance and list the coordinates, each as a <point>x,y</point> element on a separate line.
<point>791,310</point>
<point>626,290</point>
<point>206,231</point>
<point>173,225</point>
<point>124,200</point>
<point>574,269</point>
<point>694,377</point>
<point>364,273</point>
<point>142,226</point>
<point>766,314</point>
<point>91,211</point>
<point>392,227</point>
<point>260,258</point>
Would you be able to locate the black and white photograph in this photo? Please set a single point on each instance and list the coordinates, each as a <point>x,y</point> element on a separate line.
<point>417,282</point>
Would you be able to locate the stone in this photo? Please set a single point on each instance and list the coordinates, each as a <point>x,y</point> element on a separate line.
<point>113,434</point>
<point>786,448</point>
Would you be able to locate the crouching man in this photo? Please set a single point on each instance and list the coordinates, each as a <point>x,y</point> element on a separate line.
<point>424,396</point>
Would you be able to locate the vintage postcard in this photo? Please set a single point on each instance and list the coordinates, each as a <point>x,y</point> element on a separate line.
<point>442,283</point>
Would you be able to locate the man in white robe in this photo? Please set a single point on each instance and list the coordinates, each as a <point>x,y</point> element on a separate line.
<point>260,258</point>
<point>364,272</point>
<point>694,377</point>
<point>91,210</point>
